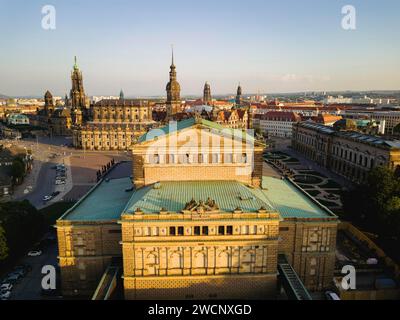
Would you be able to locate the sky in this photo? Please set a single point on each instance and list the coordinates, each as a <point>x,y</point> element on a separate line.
<point>267,46</point>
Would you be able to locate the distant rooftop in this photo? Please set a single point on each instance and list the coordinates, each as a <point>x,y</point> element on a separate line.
<point>316,126</point>
<point>361,137</point>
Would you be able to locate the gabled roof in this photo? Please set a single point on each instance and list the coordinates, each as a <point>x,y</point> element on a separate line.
<point>192,122</point>
<point>173,196</point>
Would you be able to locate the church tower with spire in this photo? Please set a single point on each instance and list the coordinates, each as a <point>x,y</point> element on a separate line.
<point>173,92</point>
<point>207,94</point>
<point>238,99</point>
<point>48,103</point>
<point>77,93</point>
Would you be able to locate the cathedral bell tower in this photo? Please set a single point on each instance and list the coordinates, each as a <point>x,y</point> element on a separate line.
<point>207,94</point>
<point>173,92</point>
<point>48,103</point>
<point>77,93</point>
<point>238,99</point>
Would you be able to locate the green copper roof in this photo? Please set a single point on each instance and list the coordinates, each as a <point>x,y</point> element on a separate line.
<point>103,202</point>
<point>108,200</point>
<point>290,201</point>
<point>75,63</point>
<point>187,123</point>
<point>174,195</point>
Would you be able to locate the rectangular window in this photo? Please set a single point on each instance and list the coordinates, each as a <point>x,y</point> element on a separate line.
<point>196,231</point>
<point>114,231</point>
<point>180,231</point>
<point>221,230</point>
<point>229,230</point>
<point>172,231</point>
<point>205,230</point>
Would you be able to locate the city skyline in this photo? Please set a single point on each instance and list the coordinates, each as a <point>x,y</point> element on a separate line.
<point>117,47</point>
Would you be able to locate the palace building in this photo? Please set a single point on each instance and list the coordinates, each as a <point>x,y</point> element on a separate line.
<point>343,150</point>
<point>115,124</point>
<point>197,219</point>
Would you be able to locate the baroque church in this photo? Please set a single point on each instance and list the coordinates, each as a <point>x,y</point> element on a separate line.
<point>115,124</point>
<point>59,120</point>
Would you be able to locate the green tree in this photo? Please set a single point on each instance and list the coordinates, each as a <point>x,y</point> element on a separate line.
<point>18,169</point>
<point>3,244</point>
<point>376,203</point>
<point>23,225</point>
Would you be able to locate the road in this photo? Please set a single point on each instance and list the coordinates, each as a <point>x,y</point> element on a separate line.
<point>44,185</point>
<point>41,182</point>
<point>29,288</point>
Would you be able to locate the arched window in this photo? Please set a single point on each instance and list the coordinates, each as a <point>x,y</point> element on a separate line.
<point>175,261</point>
<point>199,260</point>
<point>223,260</point>
<point>151,264</point>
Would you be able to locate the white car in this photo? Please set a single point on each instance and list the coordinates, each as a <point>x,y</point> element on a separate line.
<point>5,295</point>
<point>47,198</point>
<point>34,253</point>
<point>6,287</point>
<point>58,182</point>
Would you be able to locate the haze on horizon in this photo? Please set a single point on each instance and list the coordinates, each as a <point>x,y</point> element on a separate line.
<point>267,46</point>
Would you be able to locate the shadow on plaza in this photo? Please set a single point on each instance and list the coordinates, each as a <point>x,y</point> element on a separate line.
<point>83,179</point>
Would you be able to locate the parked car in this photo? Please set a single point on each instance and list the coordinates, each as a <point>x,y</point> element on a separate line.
<point>330,295</point>
<point>25,267</point>
<point>34,253</point>
<point>13,278</point>
<point>20,272</point>
<point>55,193</point>
<point>5,295</point>
<point>46,198</point>
<point>58,182</point>
<point>6,287</point>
